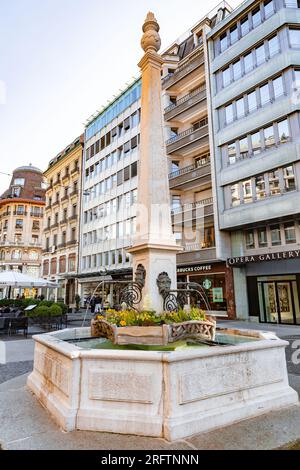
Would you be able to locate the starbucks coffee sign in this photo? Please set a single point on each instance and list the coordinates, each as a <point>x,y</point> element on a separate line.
<point>282,255</point>
<point>195,269</point>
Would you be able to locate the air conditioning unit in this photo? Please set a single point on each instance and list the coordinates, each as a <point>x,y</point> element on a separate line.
<point>53,249</point>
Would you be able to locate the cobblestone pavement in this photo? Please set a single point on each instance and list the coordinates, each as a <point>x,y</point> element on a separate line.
<point>14,369</point>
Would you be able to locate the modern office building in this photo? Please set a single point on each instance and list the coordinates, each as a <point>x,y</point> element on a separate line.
<point>110,190</point>
<point>254,78</point>
<point>186,101</point>
<point>61,221</point>
<point>21,223</point>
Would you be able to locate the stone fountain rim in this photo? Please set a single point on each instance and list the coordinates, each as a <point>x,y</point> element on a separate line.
<point>51,340</point>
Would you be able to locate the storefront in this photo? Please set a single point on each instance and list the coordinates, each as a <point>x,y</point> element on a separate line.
<point>273,286</point>
<point>217,282</point>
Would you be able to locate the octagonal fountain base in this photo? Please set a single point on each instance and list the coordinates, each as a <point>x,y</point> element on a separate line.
<point>171,394</point>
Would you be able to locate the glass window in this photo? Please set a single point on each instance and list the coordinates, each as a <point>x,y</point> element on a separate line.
<point>264,94</point>
<point>274,47</point>
<point>294,37</point>
<point>176,202</point>
<point>269,136</point>
<point>223,42</point>
<point>275,235</point>
<point>268,8</point>
<point>292,3</point>
<point>289,178</point>
<point>256,17</point>
<point>283,131</point>
<point>278,87</point>
<point>260,54</point>
<point>237,70</point>
<point>260,188</point>
<point>229,113</point>
<point>233,34</point>
<point>240,108</point>
<point>226,76</point>
<point>245,26</point>
<point>249,239</point>
<point>247,191</point>
<point>232,152</point>
<point>244,149</point>
<point>290,233</point>
<point>252,102</point>
<point>262,237</point>
<point>274,183</point>
<point>19,181</point>
<point>248,62</point>
<point>235,195</point>
<point>256,143</point>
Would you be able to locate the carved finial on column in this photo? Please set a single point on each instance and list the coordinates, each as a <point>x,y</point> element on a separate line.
<point>151,39</point>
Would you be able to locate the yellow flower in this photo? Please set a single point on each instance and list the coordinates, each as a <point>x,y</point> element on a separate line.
<point>100,317</point>
<point>123,323</point>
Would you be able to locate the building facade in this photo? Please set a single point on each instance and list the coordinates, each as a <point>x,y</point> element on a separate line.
<point>186,100</point>
<point>110,190</point>
<point>61,221</point>
<point>21,223</point>
<point>254,83</point>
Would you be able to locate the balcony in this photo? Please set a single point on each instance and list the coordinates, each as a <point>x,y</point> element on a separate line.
<point>66,176</point>
<point>75,170</point>
<point>73,217</point>
<point>188,140</point>
<point>74,193</point>
<point>57,182</point>
<point>65,198</point>
<point>186,103</point>
<point>196,254</point>
<point>47,208</point>
<point>72,243</point>
<point>36,229</point>
<point>183,70</point>
<point>22,213</point>
<point>56,203</point>
<point>35,244</point>
<point>46,250</point>
<point>19,227</point>
<point>61,245</point>
<point>36,214</point>
<point>54,225</point>
<point>64,221</point>
<point>186,177</point>
<point>194,210</point>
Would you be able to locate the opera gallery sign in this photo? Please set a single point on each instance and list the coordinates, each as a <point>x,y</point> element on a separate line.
<point>282,255</point>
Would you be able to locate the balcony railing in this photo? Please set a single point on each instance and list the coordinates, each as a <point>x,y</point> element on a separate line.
<point>61,245</point>
<point>18,212</point>
<point>193,205</point>
<point>189,131</point>
<point>57,182</point>
<point>71,242</point>
<point>74,193</point>
<point>64,220</point>
<point>35,229</point>
<point>36,214</point>
<point>54,225</point>
<point>66,176</point>
<point>65,198</point>
<point>73,217</point>
<point>47,208</point>
<point>185,103</point>
<point>186,176</point>
<point>183,70</point>
<point>189,136</point>
<point>56,202</point>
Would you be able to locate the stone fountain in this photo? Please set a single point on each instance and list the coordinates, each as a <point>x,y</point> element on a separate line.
<point>93,384</point>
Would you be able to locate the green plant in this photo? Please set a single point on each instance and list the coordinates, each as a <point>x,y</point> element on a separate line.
<point>55,310</point>
<point>41,311</point>
<point>46,303</point>
<point>77,301</point>
<point>63,307</point>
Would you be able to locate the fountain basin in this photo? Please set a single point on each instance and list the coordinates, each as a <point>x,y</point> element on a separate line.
<point>169,394</point>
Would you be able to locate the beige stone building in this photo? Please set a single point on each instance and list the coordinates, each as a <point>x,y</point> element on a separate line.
<point>61,221</point>
<point>21,223</point>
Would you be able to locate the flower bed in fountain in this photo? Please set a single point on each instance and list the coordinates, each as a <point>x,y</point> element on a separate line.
<point>130,327</point>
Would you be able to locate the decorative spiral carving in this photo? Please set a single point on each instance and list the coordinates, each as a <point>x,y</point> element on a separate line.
<point>131,295</point>
<point>170,303</point>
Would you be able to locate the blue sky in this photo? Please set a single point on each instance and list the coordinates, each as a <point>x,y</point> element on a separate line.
<point>60,60</point>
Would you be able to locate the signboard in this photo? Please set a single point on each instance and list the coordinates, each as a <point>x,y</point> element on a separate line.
<point>217,293</point>
<point>207,284</point>
<point>282,255</point>
<point>195,269</point>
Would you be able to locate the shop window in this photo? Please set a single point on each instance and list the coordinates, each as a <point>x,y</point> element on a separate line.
<point>249,239</point>
<point>275,235</point>
<point>290,233</point>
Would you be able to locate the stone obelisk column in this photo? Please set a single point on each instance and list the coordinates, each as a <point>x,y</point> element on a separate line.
<point>154,246</point>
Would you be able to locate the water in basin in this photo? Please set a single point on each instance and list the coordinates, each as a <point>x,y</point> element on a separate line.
<point>103,343</point>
